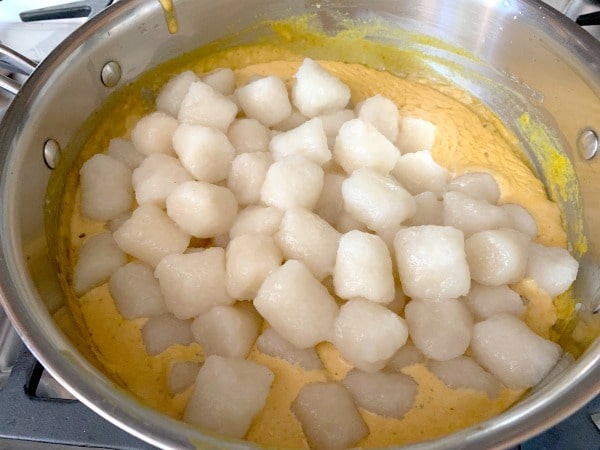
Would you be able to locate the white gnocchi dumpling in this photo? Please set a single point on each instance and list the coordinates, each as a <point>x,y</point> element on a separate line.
<point>308,140</point>
<point>406,356</point>
<point>463,372</point>
<point>303,235</point>
<point>418,173</point>
<point>329,418</point>
<point>227,330</point>
<point>376,200</point>
<point>346,222</point>
<point>106,190</point>
<point>154,134</point>
<point>99,258</point>
<point>382,113</point>
<point>360,145</point>
<point>272,344</point>
<point>249,259</point>
<point>124,151</point>
<point>114,224</point>
<point>228,394</point>
<point>294,120</point>
<point>415,134</point>
<point>479,185</point>
<point>385,394</point>
<point>182,374</point>
<point>221,80</point>
<point>270,91</point>
<point>397,305</point>
<point>248,136</point>
<point>316,91</point>
<point>296,305</point>
<point>497,257</point>
<point>192,283</point>
<point>202,209</point>
<point>256,219</point>
<point>472,215</point>
<point>204,105</point>
<point>156,177</point>
<point>552,268</point>
<point>368,334</point>
<point>487,301</point>
<point>388,235</point>
<point>363,268</point>
<point>521,219</point>
<point>173,92</point>
<point>429,210</point>
<point>508,349</point>
<point>332,123</point>
<point>136,292</point>
<point>330,204</point>
<point>247,175</point>
<point>149,235</point>
<point>431,262</point>
<point>440,329</point>
<point>292,182</point>
<point>218,241</point>
<point>205,152</point>
<point>164,331</point>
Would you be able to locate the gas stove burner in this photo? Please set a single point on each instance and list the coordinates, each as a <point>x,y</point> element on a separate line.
<point>583,12</point>
<point>588,19</point>
<point>86,8</point>
<point>39,413</point>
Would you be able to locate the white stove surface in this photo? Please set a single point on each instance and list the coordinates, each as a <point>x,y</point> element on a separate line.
<point>33,39</point>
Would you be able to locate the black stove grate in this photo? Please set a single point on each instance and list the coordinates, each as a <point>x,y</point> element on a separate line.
<point>27,416</point>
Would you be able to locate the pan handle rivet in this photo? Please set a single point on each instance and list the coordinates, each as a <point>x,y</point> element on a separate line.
<point>51,153</point>
<point>587,143</point>
<point>111,74</point>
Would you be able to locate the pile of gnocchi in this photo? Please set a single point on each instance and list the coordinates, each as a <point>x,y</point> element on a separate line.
<point>283,218</point>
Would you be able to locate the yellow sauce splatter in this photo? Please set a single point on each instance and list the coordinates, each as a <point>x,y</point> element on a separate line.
<point>170,17</point>
<point>469,138</point>
<point>561,180</point>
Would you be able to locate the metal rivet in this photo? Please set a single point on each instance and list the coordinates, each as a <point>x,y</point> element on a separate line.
<point>111,74</point>
<point>587,143</point>
<point>51,153</point>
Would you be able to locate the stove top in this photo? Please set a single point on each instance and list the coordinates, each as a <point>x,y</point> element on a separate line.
<point>37,413</point>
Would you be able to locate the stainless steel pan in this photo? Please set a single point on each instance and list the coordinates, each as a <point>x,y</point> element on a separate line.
<point>540,60</point>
